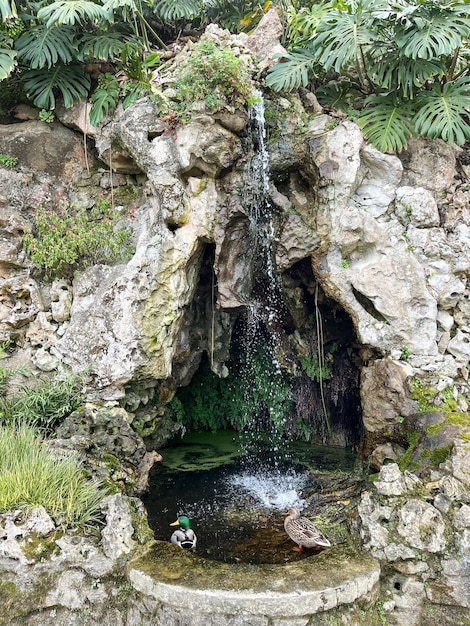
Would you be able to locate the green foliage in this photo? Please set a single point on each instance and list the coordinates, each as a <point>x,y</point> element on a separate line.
<point>405,64</point>
<point>443,111</point>
<point>70,12</point>
<point>32,476</point>
<point>41,85</point>
<point>252,390</point>
<point>67,240</point>
<point>174,10</point>
<point>413,438</point>
<point>311,367</point>
<point>45,404</point>
<point>295,71</point>
<point>46,116</point>
<point>43,46</point>
<point>8,161</point>
<point>214,75</point>
<point>105,98</point>
<point>137,71</point>
<point>385,121</point>
<point>405,353</point>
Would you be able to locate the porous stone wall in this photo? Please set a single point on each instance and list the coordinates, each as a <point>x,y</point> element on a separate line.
<point>386,237</point>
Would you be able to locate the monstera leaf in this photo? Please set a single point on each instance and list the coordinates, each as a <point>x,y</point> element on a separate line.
<point>7,9</point>
<point>70,12</point>
<point>434,31</point>
<point>393,72</point>
<point>172,10</point>
<point>386,122</point>
<point>293,71</point>
<point>70,80</point>
<point>7,62</point>
<point>443,111</point>
<point>41,46</point>
<point>104,45</point>
<point>341,37</point>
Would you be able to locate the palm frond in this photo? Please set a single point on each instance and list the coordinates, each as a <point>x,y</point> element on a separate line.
<point>438,35</point>
<point>173,10</point>
<point>292,73</point>
<point>443,112</point>
<point>7,62</point>
<point>70,80</point>
<point>41,46</point>
<point>386,122</point>
<point>69,12</point>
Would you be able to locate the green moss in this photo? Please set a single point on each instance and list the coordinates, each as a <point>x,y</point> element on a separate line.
<point>405,463</point>
<point>424,396</point>
<point>438,455</point>
<point>456,418</point>
<point>39,548</point>
<point>17,604</point>
<point>112,462</point>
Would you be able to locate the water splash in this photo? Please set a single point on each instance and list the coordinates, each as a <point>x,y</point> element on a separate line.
<point>277,492</point>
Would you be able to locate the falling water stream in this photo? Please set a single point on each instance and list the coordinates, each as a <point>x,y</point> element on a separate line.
<point>236,487</point>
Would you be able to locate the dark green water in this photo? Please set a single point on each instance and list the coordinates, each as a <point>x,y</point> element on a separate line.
<point>236,490</point>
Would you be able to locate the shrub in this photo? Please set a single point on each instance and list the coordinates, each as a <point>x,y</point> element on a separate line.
<point>67,240</point>
<point>30,475</point>
<point>213,75</point>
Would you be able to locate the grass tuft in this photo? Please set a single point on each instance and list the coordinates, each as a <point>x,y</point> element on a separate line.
<point>30,475</point>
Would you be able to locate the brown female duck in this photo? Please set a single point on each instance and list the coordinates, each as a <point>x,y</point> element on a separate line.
<point>304,532</point>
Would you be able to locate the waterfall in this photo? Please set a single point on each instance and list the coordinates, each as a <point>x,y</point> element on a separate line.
<point>266,391</point>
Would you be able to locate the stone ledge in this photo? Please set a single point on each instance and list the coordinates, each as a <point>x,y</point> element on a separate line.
<point>186,582</point>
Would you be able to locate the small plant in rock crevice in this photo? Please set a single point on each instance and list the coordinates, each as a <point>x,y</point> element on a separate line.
<point>8,161</point>
<point>68,239</point>
<point>213,75</point>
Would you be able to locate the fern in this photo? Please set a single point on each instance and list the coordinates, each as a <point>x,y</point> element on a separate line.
<point>70,80</point>
<point>173,10</point>
<point>42,47</point>
<point>386,123</point>
<point>70,12</point>
<point>292,73</point>
<point>443,112</point>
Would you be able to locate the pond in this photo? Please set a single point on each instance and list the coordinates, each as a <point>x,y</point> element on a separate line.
<point>236,489</point>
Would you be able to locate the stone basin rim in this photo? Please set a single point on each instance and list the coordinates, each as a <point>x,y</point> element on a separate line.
<point>191,583</point>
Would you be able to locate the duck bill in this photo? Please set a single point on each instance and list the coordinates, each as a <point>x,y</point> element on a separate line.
<point>175,523</point>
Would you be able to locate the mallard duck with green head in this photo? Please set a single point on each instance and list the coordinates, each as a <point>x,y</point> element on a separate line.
<point>304,532</point>
<point>184,536</point>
